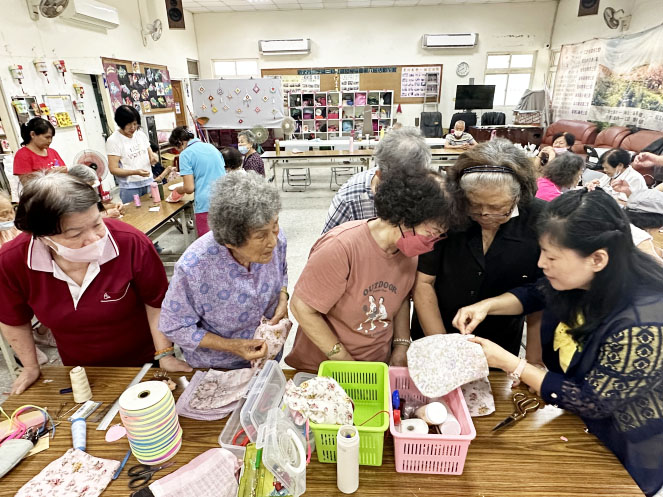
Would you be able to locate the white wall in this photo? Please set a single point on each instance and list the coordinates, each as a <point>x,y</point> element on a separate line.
<point>374,37</point>
<point>22,40</point>
<point>569,28</point>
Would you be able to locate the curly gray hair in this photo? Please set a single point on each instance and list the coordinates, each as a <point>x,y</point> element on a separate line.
<point>405,146</point>
<point>240,204</point>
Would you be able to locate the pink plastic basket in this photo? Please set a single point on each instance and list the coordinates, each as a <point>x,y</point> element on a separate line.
<point>438,454</point>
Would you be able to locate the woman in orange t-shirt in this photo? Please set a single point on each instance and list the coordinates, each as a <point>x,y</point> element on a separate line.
<point>352,300</point>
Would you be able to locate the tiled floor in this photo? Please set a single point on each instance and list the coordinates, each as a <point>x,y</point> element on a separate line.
<point>302,218</point>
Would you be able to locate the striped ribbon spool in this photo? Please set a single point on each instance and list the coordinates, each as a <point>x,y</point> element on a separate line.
<point>153,429</point>
<point>80,387</point>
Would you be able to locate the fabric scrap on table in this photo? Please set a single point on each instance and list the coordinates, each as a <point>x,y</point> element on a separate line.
<point>320,400</point>
<point>74,474</point>
<point>439,364</point>
<point>183,408</point>
<point>479,397</point>
<point>274,335</point>
<point>211,474</point>
<point>220,388</point>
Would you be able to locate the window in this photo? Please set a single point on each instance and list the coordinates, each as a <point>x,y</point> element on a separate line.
<point>192,66</point>
<point>511,73</point>
<point>242,68</point>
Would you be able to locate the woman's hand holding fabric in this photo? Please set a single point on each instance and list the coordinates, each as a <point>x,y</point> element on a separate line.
<point>496,356</point>
<point>248,349</point>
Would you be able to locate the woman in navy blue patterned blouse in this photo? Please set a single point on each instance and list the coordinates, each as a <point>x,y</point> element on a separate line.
<point>247,147</point>
<point>601,330</point>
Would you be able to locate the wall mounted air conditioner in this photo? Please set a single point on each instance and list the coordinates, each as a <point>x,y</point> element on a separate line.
<point>449,40</point>
<point>285,47</point>
<point>91,13</point>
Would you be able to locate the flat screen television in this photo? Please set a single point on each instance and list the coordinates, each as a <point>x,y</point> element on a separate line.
<point>470,97</point>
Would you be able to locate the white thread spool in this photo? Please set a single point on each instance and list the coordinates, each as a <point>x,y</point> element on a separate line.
<point>347,459</point>
<point>414,425</point>
<point>450,426</point>
<point>78,434</point>
<point>79,385</point>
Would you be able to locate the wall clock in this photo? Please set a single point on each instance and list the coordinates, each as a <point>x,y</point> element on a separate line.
<point>463,69</point>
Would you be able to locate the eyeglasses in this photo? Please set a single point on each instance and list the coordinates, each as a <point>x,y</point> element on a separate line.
<point>494,216</point>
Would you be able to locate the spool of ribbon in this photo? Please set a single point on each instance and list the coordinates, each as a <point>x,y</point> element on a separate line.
<point>80,385</point>
<point>78,434</point>
<point>147,411</point>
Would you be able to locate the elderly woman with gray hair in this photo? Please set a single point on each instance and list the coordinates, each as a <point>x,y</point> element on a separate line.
<point>230,278</point>
<point>246,144</point>
<point>355,200</point>
<point>88,175</point>
<point>494,249</point>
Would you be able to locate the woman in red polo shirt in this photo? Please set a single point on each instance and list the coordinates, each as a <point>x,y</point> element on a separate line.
<point>36,153</point>
<point>96,283</point>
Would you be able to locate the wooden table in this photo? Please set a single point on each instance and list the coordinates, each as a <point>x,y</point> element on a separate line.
<point>149,222</point>
<point>522,134</point>
<point>335,159</point>
<point>528,459</point>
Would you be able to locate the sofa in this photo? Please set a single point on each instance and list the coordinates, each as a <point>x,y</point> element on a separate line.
<point>637,141</point>
<point>611,137</point>
<point>585,133</point>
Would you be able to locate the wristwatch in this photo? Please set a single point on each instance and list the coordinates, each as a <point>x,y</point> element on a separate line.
<point>334,350</point>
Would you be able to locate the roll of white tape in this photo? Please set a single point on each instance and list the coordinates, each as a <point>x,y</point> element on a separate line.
<point>414,425</point>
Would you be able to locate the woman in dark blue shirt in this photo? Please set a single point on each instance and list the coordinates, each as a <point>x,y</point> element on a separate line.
<point>601,332</point>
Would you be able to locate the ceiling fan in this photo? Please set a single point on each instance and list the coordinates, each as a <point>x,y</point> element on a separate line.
<point>616,19</point>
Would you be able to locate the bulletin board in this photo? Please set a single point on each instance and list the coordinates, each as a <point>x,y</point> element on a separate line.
<point>62,109</point>
<point>370,78</point>
<point>238,103</point>
<point>144,86</point>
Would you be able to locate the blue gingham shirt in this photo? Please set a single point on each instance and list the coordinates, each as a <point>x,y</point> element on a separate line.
<point>353,201</point>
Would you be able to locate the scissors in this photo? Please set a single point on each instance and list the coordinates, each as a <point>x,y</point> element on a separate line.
<point>142,473</point>
<point>523,404</point>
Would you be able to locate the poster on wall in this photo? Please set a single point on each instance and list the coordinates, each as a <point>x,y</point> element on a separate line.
<point>291,83</point>
<point>417,81</point>
<point>618,81</point>
<point>349,82</point>
<point>146,87</point>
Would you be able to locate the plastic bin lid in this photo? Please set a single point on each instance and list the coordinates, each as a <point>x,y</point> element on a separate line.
<point>283,451</point>
<point>265,393</point>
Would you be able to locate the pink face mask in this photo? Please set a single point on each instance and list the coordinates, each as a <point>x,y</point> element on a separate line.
<point>412,244</point>
<point>560,150</point>
<point>89,253</point>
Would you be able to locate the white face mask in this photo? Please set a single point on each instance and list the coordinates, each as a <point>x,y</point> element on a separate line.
<point>6,225</point>
<point>458,134</point>
<point>89,253</point>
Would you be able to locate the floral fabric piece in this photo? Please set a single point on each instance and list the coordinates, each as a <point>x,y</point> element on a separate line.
<point>75,474</point>
<point>183,408</point>
<point>274,335</point>
<point>211,474</point>
<point>220,388</point>
<point>321,400</point>
<point>479,397</point>
<point>439,364</point>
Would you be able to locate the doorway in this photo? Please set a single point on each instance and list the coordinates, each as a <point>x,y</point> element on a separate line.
<point>178,96</point>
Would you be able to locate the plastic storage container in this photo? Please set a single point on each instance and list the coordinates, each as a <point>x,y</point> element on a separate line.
<point>284,452</point>
<point>367,384</point>
<point>233,426</point>
<point>438,454</point>
<point>265,393</point>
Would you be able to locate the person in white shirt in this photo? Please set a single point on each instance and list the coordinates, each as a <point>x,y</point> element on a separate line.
<point>130,157</point>
<point>620,179</point>
<point>459,139</point>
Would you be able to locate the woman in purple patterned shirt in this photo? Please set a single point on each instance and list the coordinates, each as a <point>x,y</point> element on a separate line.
<point>246,144</point>
<point>230,278</point>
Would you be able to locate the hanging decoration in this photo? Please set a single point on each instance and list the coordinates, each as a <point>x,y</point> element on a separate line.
<point>16,71</point>
<point>42,67</point>
<point>256,88</point>
<point>238,90</point>
<point>225,107</point>
<point>257,109</point>
<point>265,98</point>
<point>240,121</point>
<point>204,107</point>
<point>219,91</point>
<point>60,67</point>
<point>201,89</point>
<point>210,98</point>
<point>215,110</point>
<point>239,111</point>
<point>399,110</point>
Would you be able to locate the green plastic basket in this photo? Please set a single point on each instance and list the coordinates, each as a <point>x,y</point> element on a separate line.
<point>367,384</point>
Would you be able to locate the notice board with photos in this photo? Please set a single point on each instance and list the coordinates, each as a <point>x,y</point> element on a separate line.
<point>146,87</point>
<point>368,77</point>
